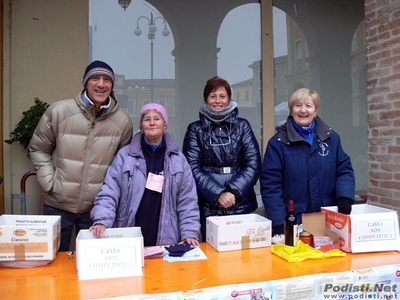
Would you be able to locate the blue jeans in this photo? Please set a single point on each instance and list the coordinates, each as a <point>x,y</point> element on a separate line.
<point>68,221</point>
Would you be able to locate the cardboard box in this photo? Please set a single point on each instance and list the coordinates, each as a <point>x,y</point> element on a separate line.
<point>118,253</point>
<point>29,237</point>
<point>367,229</point>
<point>315,224</point>
<point>225,233</point>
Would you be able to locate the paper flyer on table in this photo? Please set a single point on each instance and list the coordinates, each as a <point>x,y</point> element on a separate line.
<point>163,296</point>
<point>250,291</point>
<point>371,283</point>
<point>154,252</point>
<point>194,254</point>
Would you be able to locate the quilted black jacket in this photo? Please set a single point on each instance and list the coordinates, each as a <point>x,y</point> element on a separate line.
<point>223,157</point>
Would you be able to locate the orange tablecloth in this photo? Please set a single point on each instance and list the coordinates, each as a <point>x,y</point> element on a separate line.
<point>59,280</point>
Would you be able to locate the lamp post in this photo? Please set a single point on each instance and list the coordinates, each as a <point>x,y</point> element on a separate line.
<point>151,36</point>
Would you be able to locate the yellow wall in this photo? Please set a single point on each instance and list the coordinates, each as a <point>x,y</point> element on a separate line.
<point>45,51</point>
<point>1,109</point>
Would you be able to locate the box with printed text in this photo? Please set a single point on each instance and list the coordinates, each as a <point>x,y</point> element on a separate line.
<point>236,232</point>
<point>118,253</point>
<point>368,228</point>
<point>315,224</point>
<point>29,237</point>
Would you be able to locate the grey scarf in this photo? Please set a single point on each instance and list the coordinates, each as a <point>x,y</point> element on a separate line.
<point>218,116</point>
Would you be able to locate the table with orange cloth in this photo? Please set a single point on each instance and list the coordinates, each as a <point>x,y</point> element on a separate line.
<point>59,279</point>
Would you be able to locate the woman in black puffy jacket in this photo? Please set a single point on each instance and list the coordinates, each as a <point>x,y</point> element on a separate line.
<point>224,155</point>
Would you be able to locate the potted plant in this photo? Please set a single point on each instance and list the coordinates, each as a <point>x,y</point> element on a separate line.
<point>26,127</point>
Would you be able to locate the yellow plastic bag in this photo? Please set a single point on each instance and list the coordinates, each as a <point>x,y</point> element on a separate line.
<point>302,252</point>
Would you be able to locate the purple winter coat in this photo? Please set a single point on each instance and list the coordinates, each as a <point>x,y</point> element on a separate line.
<point>118,201</point>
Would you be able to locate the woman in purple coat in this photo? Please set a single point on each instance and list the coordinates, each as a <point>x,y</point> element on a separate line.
<point>150,185</point>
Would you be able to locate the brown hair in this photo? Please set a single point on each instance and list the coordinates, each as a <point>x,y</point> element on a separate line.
<point>213,84</point>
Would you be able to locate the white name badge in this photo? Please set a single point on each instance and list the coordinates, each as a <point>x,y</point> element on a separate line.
<point>155,182</point>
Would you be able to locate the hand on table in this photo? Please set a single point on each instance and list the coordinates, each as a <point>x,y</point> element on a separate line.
<point>191,241</point>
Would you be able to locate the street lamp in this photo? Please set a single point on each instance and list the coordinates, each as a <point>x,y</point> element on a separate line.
<point>124,3</point>
<point>151,35</point>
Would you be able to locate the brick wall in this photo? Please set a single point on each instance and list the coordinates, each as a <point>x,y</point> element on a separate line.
<point>382,21</point>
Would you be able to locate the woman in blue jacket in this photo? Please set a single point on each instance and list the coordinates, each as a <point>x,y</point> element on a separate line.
<point>304,161</point>
<point>224,155</point>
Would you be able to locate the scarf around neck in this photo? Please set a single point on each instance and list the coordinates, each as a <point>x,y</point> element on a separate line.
<point>306,132</point>
<point>218,116</point>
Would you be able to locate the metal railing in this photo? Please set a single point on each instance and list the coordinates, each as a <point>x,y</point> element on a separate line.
<point>22,196</point>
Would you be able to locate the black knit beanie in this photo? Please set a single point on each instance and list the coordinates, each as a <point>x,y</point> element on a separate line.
<point>98,67</point>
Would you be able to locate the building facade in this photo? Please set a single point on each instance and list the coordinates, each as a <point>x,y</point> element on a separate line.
<point>45,53</point>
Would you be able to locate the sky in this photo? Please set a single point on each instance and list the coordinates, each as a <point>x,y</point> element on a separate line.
<point>114,40</point>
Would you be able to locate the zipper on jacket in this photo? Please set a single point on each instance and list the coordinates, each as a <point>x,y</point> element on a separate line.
<point>86,167</point>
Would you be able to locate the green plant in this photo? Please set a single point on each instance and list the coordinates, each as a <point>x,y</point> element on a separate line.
<point>26,127</point>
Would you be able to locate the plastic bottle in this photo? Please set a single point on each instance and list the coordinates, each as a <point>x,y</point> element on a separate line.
<point>291,226</point>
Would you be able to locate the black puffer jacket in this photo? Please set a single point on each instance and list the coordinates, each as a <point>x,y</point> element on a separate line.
<point>223,157</point>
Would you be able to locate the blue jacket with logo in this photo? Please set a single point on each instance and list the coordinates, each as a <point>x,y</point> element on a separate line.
<point>312,175</point>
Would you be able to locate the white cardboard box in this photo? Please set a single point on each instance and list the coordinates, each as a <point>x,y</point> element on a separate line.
<point>29,237</point>
<point>118,253</point>
<point>238,232</point>
<point>368,228</point>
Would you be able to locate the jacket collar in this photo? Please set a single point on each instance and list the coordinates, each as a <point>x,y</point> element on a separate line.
<point>288,134</point>
<point>135,147</point>
<point>88,109</point>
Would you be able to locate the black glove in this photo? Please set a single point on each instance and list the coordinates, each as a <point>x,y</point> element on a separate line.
<point>344,205</point>
<point>278,230</point>
<point>179,249</point>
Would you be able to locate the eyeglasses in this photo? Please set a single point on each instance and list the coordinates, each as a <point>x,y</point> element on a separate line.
<point>228,130</point>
